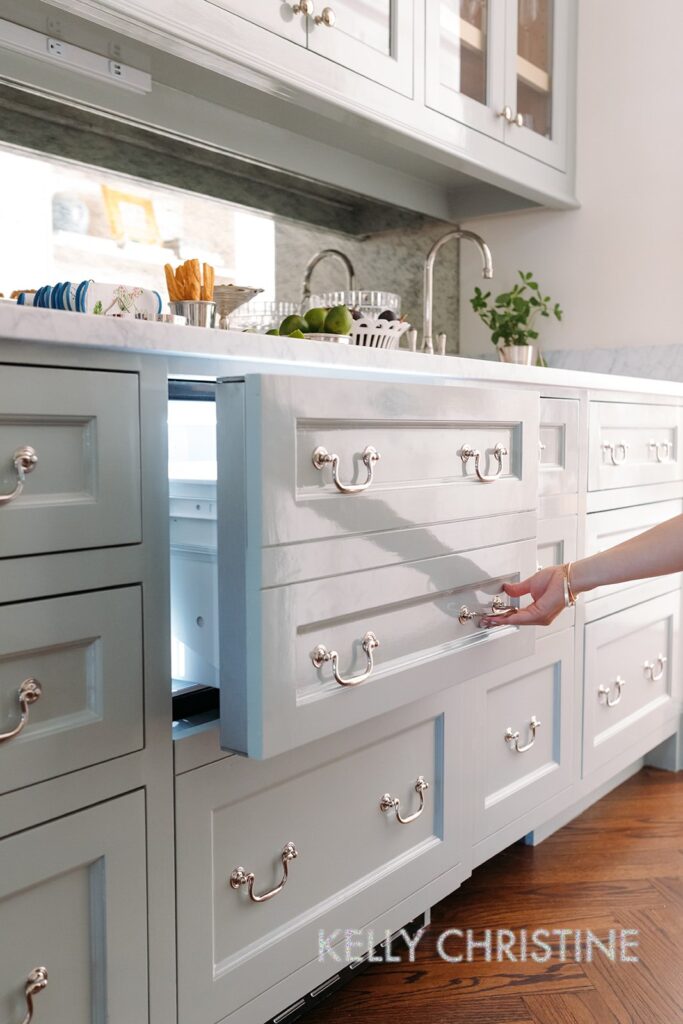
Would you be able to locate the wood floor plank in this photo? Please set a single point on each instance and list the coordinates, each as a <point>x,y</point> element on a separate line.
<point>575,1008</point>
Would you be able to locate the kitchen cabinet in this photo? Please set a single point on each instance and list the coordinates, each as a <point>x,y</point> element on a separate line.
<point>281,18</point>
<point>73,917</point>
<point>502,67</point>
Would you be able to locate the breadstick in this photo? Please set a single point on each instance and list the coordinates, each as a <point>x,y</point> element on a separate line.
<point>170,283</point>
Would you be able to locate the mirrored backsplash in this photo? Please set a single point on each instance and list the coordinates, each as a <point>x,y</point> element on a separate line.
<point>85,196</point>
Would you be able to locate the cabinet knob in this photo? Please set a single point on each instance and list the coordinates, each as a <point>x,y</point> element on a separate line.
<point>467,452</point>
<point>508,115</point>
<point>392,803</point>
<point>322,458</point>
<point>240,877</point>
<point>35,983</point>
<point>327,18</point>
<point>24,460</point>
<point>321,655</point>
<point>28,693</point>
<point>512,738</point>
<point>303,7</point>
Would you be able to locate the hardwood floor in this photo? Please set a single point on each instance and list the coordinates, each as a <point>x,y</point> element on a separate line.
<point>619,865</point>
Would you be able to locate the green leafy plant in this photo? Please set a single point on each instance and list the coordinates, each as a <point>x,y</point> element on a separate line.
<point>511,315</point>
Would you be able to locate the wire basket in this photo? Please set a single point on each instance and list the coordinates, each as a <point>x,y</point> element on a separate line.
<point>371,332</point>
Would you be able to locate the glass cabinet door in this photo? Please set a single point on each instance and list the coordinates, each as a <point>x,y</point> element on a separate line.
<point>536,93</point>
<point>465,56</point>
<point>373,38</point>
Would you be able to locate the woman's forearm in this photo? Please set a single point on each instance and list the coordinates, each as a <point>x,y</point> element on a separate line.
<point>654,553</point>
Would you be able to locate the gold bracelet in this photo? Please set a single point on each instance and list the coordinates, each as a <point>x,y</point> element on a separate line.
<point>569,595</point>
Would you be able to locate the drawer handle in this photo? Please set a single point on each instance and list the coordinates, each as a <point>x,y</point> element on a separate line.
<point>654,670</point>
<point>241,877</point>
<point>321,655</point>
<point>27,694</point>
<point>512,738</point>
<point>662,450</point>
<point>35,983</point>
<point>468,452</point>
<point>604,692</point>
<point>614,449</point>
<point>25,461</point>
<point>322,458</point>
<point>498,607</point>
<point>389,803</point>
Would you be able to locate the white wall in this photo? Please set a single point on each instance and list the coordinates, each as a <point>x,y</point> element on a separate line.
<point>615,265</point>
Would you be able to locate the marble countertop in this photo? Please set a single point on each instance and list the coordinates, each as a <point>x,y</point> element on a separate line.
<point>25,324</point>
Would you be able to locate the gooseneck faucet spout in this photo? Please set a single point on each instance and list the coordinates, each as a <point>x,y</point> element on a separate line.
<point>487,272</point>
<point>313,263</point>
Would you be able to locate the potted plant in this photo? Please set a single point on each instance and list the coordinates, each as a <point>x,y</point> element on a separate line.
<point>511,317</point>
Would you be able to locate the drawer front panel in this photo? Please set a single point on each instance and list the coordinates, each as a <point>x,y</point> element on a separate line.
<point>525,720</point>
<point>272,427</point>
<point>84,490</point>
<point>354,859</point>
<point>73,900</point>
<point>634,445</point>
<point>425,617</point>
<point>631,678</point>
<point>557,545</point>
<point>559,446</point>
<point>86,653</point>
<point>606,529</point>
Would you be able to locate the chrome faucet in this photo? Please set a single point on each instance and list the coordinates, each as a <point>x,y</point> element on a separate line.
<point>487,261</point>
<point>313,263</point>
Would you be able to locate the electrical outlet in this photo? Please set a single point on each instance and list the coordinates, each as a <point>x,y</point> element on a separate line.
<point>55,47</point>
<point>116,69</point>
<point>115,51</point>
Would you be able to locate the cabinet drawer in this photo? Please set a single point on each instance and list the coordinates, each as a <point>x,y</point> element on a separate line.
<point>558,446</point>
<point>270,428</point>
<point>73,900</point>
<point>354,860</point>
<point>633,444</point>
<point>84,490</point>
<point>631,678</point>
<point>85,652</point>
<point>557,545</point>
<point>606,529</point>
<point>279,689</point>
<point>524,729</point>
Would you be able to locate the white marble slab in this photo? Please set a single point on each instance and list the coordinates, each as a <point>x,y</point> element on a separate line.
<point>28,325</point>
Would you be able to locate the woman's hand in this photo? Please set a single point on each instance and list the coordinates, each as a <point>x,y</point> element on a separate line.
<point>547,590</point>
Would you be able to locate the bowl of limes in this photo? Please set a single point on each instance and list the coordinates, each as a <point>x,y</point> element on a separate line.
<point>318,324</point>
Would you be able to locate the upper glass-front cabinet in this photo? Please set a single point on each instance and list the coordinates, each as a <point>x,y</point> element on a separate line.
<point>501,67</point>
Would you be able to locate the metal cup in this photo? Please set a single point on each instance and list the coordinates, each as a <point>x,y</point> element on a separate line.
<point>197,313</point>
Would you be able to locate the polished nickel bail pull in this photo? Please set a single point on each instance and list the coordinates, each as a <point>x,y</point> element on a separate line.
<point>322,458</point>
<point>35,983</point>
<point>498,607</point>
<point>28,693</point>
<point>654,670</point>
<point>662,450</point>
<point>468,452</point>
<point>392,803</point>
<point>25,460</point>
<point>512,738</point>
<point>321,654</point>
<point>613,449</point>
<point>241,877</point>
<point>605,692</point>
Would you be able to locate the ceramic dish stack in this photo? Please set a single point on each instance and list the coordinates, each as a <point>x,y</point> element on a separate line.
<point>97,298</point>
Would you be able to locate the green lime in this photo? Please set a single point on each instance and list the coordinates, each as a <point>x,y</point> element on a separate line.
<point>315,318</point>
<point>338,320</point>
<point>296,334</point>
<point>273,331</point>
<point>293,323</point>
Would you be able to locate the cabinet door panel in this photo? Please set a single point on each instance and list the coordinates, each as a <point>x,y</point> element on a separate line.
<point>465,62</point>
<point>374,38</point>
<point>73,900</point>
<point>275,15</point>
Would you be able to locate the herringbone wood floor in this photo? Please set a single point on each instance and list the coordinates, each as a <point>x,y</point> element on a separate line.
<point>620,865</point>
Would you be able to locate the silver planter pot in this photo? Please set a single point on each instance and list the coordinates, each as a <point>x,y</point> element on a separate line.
<point>524,354</point>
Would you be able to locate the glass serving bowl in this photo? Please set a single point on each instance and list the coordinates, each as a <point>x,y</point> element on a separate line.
<point>261,316</point>
<point>370,303</point>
